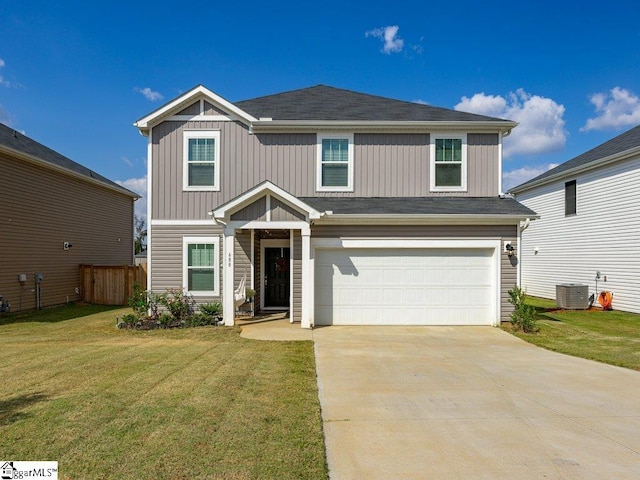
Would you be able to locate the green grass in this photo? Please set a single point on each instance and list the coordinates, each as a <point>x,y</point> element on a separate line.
<point>171,404</point>
<point>606,336</point>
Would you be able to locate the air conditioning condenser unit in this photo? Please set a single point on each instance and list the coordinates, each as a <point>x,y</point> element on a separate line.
<point>572,296</point>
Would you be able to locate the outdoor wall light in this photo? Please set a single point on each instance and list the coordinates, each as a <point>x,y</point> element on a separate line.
<point>510,250</point>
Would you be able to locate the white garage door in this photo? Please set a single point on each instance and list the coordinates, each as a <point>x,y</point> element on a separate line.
<point>358,286</point>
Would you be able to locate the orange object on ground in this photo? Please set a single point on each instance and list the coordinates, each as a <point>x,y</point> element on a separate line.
<point>605,299</point>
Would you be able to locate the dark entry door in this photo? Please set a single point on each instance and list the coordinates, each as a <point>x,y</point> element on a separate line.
<point>276,277</point>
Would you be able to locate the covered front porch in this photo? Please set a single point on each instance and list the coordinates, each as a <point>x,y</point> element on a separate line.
<point>267,247</point>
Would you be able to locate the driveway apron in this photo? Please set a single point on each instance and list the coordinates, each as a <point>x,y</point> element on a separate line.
<point>471,403</point>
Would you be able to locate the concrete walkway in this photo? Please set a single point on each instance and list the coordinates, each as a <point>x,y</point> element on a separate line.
<point>471,403</point>
<point>465,403</point>
<point>273,327</point>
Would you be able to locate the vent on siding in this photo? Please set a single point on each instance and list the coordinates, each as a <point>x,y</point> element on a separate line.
<point>572,296</point>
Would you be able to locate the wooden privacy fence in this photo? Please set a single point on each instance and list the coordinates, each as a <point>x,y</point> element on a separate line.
<point>110,284</point>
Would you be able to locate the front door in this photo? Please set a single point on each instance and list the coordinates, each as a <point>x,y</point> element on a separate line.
<point>276,277</point>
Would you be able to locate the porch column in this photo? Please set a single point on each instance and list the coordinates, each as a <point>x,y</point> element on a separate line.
<point>307,278</point>
<point>228,306</point>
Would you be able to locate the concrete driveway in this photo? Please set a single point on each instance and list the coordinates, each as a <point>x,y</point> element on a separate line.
<point>471,403</point>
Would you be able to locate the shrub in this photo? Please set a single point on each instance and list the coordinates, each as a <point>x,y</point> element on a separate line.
<point>128,320</point>
<point>199,320</point>
<point>180,304</point>
<point>164,320</point>
<point>523,316</point>
<point>211,309</point>
<point>144,303</point>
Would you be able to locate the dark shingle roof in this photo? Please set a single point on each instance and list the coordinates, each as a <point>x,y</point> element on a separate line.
<point>21,143</point>
<point>328,103</point>
<point>626,141</point>
<point>420,206</point>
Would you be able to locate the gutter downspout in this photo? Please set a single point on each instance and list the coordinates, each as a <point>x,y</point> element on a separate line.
<point>521,228</point>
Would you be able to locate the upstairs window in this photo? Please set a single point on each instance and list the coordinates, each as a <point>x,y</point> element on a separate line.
<point>448,163</point>
<point>201,151</point>
<point>335,163</point>
<point>570,198</point>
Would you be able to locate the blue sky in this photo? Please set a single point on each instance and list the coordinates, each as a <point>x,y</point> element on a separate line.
<point>76,75</point>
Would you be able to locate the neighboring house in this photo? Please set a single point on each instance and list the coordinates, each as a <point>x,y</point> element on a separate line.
<point>340,207</point>
<point>56,214</point>
<point>589,211</point>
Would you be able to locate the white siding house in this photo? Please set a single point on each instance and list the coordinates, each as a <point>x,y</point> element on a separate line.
<point>603,235</point>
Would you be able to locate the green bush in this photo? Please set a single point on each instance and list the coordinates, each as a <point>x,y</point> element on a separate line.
<point>199,320</point>
<point>181,310</point>
<point>128,320</point>
<point>180,304</point>
<point>211,309</point>
<point>523,316</point>
<point>144,303</point>
<point>164,320</point>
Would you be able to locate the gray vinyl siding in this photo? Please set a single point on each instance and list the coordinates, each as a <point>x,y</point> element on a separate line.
<point>212,110</point>
<point>256,211</point>
<point>242,259</point>
<point>166,255</point>
<point>483,169</point>
<point>258,273</point>
<point>384,165</point>
<point>42,209</point>
<point>297,276</point>
<point>193,109</point>
<point>281,212</point>
<point>508,270</point>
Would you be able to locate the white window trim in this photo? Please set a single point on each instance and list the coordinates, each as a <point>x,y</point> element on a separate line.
<point>432,162</point>
<point>186,136</point>
<point>319,186</point>
<point>186,241</point>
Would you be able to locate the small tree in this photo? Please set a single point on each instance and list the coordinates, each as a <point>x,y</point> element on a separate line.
<point>140,240</point>
<point>523,316</point>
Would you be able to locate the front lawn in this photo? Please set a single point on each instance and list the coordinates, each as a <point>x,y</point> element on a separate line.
<point>174,404</point>
<point>606,336</point>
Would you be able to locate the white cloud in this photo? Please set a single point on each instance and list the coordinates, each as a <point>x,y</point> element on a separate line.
<point>517,176</point>
<point>139,186</point>
<point>615,109</point>
<point>541,122</point>
<point>5,116</point>
<point>420,101</point>
<point>3,82</point>
<point>389,36</point>
<point>149,94</point>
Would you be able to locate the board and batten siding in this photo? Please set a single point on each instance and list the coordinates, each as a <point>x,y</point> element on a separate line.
<point>508,270</point>
<point>385,164</point>
<point>604,235</point>
<point>42,209</point>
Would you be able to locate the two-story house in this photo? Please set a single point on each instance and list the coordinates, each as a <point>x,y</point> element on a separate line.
<point>341,207</point>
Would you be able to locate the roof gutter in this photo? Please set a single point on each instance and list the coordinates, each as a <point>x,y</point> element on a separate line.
<point>579,169</point>
<point>313,125</point>
<point>441,219</point>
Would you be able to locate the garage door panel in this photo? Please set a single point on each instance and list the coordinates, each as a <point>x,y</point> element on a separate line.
<point>404,286</point>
